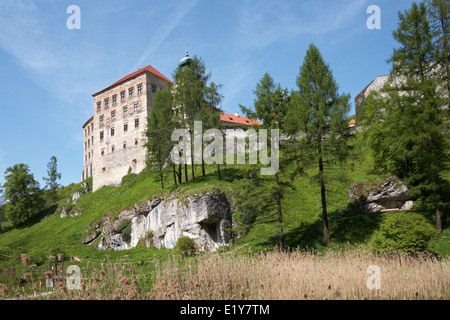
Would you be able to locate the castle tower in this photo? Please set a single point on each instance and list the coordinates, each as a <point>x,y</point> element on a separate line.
<point>115,135</point>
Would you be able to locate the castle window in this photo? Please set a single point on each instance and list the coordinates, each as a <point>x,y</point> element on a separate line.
<point>122,95</point>
<point>154,88</point>
<point>85,146</point>
<point>101,135</point>
<point>106,103</point>
<point>89,143</point>
<point>89,130</point>
<point>114,99</point>
<point>103,152</point>
<point>89,155</point>
<point>130,92</point>
<point>112,132</point>
<point>99,106</point>
<point>112,149</point>
<point>113,115</point>
<point>103,169</point>
<point>92,139</point>
<point>102,120</point>
<point>124,145</point>
<point>85,158</point>
<point>125,127</point>
<point>139,87</point>
<point>136,106</point>
<point>135,142</point>
<point>125,111</point>
<point>136,123</point>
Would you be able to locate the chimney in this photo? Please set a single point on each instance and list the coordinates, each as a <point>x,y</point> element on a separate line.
<point>236,114</point>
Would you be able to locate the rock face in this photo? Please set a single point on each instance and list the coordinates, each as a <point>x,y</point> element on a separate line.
<point>391,195</point>
<point>202,217</point>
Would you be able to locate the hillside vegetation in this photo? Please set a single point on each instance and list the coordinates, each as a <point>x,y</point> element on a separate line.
<point>49,234</point>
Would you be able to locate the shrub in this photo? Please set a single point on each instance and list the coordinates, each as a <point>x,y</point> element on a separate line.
<point>185,246</point>
<point>125,230</point>
<point>126,179</point>
<point>403,232</point>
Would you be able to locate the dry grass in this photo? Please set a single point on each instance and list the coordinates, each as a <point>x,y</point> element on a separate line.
<point>297,275</point>
<point>302,275</point>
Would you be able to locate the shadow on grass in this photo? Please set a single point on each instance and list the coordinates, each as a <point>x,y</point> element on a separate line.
<point>353,226</point>
<point>40,216</point>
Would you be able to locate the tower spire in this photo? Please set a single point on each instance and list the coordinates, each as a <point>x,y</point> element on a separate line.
<point>187,49</point>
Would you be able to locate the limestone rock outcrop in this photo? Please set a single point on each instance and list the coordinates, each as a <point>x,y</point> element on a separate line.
<point>390,195</point>
<point>205,217</point>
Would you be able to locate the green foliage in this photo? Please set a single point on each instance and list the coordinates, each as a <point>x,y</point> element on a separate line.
<point>407,119</point>
<point>185,246</point>
<point>52,179</point>
<point>441,245</point>
<point>403,232</point>
<point>125,230</point>
<point>161,124</point>
<point>319,113</point>
<point>128,178</point>
<point>22,193</point>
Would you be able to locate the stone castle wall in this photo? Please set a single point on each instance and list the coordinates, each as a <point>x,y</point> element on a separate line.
<point>119,129</point>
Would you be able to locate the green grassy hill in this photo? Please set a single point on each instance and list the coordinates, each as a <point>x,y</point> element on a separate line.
<point>49,234</point>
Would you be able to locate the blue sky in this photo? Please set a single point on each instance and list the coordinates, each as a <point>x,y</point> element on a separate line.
<point>48,72</point>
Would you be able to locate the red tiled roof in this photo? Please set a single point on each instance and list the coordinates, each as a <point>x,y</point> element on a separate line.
<point>148,68</point>
<point>225,117</point>
<point>352,122</point>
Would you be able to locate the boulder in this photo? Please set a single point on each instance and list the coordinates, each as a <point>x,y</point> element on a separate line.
<point>390,195</point>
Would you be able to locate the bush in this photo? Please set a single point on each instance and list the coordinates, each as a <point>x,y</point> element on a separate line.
<point>403,232</point>
<point>185,246</point>
<point>441,245</point>
<point>125,230</point>
<point>126,179</point>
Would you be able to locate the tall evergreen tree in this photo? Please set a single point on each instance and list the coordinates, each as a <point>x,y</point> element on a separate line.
<point>439,16</point>
<point>407,119</point>
<point>52,178</point>
<point>317,123</point>
<point>270,105</point>
<point>190,95</point>
<point>210,113</point>
<point>161,124</point>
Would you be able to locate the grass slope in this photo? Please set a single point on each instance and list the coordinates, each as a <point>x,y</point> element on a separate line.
<point>49,234</point>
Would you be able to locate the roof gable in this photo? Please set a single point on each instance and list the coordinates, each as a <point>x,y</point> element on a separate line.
<point>148,68</point>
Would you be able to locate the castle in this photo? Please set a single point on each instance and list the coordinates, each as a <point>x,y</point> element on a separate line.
<point>114,137</point>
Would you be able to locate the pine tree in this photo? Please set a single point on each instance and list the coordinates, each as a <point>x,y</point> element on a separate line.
<point>317,123</point>
<point>270,105</point>
<point>53,177</point>
<point>161,124</point>
<point>407,119</point>
<point>190,96</point>
<point>439,16</point>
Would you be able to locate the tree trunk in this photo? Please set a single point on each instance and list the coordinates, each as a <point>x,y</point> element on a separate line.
<point>323,197</point>
<point>186,173</point>
<point>218,170</point>
<point>179,174</point>
<point>438,219</point>
<point>162,179</point>
<point>174,174</point>
<point>280,215</point>
<point>203,168</point>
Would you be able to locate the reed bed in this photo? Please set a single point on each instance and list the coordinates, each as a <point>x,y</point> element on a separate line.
<point>233,275</point>
<point>300,275</point>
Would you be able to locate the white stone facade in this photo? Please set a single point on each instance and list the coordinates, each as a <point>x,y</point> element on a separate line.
<point>115,136</point>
